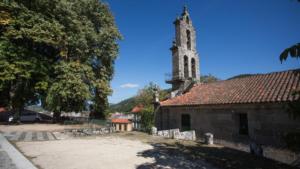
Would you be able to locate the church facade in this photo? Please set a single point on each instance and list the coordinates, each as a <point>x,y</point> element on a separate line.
<point>240,110</point>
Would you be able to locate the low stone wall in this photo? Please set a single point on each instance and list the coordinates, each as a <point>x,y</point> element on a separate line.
<point>90,131</point>
<point>176,134</point>
<point>282,155</point>
<point>234,145</point>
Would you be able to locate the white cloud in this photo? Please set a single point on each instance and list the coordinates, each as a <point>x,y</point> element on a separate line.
<point>129,85</point>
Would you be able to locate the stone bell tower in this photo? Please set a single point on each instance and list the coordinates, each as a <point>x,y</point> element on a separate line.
<point>185,60</point>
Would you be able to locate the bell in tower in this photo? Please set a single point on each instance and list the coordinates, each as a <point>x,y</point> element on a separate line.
<point>185,60</point>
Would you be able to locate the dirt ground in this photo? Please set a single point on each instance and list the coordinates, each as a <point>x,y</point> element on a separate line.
<point>129,150</point>
<point>100,153</point>
<point>36,127</point>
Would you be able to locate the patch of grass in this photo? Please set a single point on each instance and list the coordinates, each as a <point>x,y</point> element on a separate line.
<point>72,122</point>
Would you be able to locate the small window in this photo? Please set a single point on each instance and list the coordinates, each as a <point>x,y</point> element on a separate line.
<point>187,20</point>
<point>243,119</point>
<point>193,63</point>
<point>188,42</point>
<point>185,122</point>
<point>186,66</point>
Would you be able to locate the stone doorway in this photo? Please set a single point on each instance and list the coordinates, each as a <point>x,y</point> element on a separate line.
<point>243,124</point>
<point>185,122</point>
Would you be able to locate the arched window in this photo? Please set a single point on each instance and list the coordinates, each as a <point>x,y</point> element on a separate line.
<point>193,63</point>
<point>188,41</point>
<point>186,67</point>
<point>187,20</point>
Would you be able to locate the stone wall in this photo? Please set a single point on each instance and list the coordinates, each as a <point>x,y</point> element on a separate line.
<point>89,131</point>
<point>278,154</point>
<point>176,134</point>
<point>267,123</point>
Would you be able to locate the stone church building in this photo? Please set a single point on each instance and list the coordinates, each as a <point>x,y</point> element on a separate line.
<point>245,109</point>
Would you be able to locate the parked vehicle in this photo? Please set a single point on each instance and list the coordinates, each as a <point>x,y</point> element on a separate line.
<point>27,116</point>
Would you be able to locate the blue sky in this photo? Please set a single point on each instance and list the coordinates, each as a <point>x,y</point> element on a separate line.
<point>233,37</point>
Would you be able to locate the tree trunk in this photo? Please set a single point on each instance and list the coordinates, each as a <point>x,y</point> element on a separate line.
<point>99,107</point>
<point>56,117</point>
<point>17,113</point>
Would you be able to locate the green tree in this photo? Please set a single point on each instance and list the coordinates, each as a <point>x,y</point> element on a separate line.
<point>145,97</point>
<point>147,118</point>
<point>22,75</point>
<point>71,89</point>
<point>53,33</point>
<point>208,78</point>
<point>293,52</point>
<point>293,138</point>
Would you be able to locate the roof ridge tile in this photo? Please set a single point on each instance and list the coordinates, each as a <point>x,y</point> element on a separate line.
<point>270,87</point>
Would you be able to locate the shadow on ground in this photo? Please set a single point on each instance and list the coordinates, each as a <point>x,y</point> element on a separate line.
<point>179,155</point>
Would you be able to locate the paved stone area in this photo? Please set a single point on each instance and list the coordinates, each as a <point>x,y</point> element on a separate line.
<point>30,136</point>
<point>11,158</point>
<point>5,161</point>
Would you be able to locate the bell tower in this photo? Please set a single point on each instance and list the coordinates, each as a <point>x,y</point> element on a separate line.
<point>185,60</point>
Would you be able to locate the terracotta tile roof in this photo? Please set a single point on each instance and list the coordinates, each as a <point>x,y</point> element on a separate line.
<point>137,109</point>
<point>120,121</point>
<point>271,87</point>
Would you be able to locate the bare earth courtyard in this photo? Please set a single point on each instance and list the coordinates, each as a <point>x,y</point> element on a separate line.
<point>102,153</point>
<point>36,127</point>
<point>125,150</point>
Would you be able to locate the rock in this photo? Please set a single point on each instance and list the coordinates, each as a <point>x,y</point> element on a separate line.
<point>208,138</point>
<point>256,149</point>
<point>153,130</point>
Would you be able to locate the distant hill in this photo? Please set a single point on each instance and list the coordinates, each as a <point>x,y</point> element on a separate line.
<point>127,104</point>
<point>123,106</point>
<point>241,76</point>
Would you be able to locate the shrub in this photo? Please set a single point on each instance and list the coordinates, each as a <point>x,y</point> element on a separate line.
<point>147,118</point>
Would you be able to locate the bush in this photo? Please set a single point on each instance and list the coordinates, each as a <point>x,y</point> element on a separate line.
<point>147,119</point>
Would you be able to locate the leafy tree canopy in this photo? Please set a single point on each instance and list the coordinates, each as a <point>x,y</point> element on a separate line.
<point>40,38</point>
<point>145,96</point>
<point>208,78</point>
<point>71,88</point>
<point>294,52</point>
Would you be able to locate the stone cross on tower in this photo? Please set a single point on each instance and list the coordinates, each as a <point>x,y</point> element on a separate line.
<point>185,60</point>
